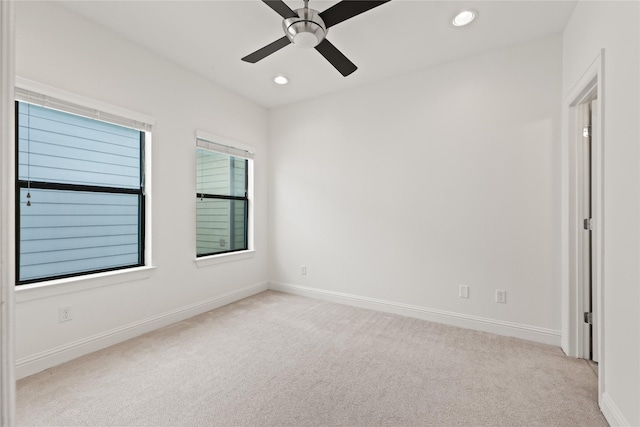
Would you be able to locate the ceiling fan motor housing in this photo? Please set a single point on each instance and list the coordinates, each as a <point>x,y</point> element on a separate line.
<point>306,30</point>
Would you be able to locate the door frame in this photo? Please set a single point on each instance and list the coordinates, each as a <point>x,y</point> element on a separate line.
<point>590,85</point>
<point>7,223</point>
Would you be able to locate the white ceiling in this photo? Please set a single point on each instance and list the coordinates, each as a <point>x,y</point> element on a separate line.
<point>210,37</point>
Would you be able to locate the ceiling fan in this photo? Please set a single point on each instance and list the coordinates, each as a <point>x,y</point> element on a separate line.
<point>307,28</point>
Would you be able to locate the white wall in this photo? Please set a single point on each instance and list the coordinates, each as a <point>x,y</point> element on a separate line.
<point>402,190</point>
<point>614,26</point>
<point>57,48</point>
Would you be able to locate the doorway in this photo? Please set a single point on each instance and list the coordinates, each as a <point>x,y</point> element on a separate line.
<point>582,220</point>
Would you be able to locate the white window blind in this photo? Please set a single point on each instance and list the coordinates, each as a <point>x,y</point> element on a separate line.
<point>222,145</point>
<point>56,146</point>
<point>56,103</point>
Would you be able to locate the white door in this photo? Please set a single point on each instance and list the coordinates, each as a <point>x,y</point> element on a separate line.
<point>585,169</point>
<point>593,294</point>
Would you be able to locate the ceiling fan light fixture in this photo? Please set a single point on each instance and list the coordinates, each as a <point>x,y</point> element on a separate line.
<point>306,30</point>
<point>465,17</point>
<point>306,40</point>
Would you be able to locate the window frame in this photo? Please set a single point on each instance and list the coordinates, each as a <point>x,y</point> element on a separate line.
<point>218,144</point>
<point>38,94</point>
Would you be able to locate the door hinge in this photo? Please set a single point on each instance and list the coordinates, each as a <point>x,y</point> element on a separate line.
<point>588,318</point>
<point>587,223</point>
<point>586,131</point>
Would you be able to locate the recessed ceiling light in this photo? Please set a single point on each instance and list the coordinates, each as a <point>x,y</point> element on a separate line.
<point>281,80</point>
<point>465,17</point>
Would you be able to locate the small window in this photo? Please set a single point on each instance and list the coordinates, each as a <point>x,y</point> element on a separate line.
<point>80,202</point>
<point>222,200</point>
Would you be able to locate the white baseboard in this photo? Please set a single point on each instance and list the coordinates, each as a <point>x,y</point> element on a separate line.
<point>39,362</point>
<point>530,333</point>
<point>611,412</point>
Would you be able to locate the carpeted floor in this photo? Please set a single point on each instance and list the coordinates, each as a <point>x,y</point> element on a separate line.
<point>282,360</point>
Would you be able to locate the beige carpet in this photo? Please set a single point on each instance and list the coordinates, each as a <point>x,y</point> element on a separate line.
<point>282,360</point>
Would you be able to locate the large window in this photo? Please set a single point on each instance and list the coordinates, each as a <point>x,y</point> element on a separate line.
<point>222,199</point>
<point>80,198</point>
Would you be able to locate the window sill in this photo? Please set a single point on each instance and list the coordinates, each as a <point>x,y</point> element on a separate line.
<point>224,258</point>
<point>81,283</point>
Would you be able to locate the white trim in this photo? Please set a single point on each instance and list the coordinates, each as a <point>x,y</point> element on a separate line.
<point>251,186</point>
<point>69,285</point>
<point>223,258</point>
<point>592,78</point>
<point>148,199</point>
<point>38,362</point>
<point>83,101</point>
<point>499,327</point>
<point>611,412</point>
<point>7,217</point>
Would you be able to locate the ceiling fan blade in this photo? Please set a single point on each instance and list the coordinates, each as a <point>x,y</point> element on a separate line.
<point>347,9</point>
<point>336,58</point>
<point>267,50</point>
<point>281,8</point>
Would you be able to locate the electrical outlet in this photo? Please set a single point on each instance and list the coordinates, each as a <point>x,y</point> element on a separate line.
<point>501,296</point>
<point>463,291</point>
<point>303,270</point>
<point>65,314</point>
